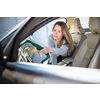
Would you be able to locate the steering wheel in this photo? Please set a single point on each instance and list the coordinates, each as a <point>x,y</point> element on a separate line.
<point>38,47</point>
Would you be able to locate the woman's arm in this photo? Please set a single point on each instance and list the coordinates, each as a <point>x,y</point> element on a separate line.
<point>46,50</point>
<point>60,51</point>
<point>57,51</point>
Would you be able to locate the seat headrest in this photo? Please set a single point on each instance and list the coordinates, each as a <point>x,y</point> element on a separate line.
<point>94,24</point>
<point>77,28</point>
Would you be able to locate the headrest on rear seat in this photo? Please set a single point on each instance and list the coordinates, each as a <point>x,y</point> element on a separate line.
<point>94,24</point>
<point>77,28</point>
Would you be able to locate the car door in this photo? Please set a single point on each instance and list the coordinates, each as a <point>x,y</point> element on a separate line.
<point>25,72</point>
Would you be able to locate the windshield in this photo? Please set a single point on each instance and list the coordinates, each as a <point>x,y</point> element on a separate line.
<point>8,32</point>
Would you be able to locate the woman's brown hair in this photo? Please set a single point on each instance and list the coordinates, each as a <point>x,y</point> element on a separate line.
<point>66,35</point>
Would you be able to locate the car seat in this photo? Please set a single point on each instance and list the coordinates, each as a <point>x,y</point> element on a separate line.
<point>78,39</point>
<point>87,50</point>
<point>95,28</point>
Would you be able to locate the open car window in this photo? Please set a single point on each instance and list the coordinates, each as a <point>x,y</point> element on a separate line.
<point>39,37</point>
<point>6,36</point>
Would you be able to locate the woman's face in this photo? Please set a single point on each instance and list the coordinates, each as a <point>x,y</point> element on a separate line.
<point>57,33</point>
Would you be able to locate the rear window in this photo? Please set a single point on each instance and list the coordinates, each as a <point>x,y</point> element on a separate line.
<point>85,24</point>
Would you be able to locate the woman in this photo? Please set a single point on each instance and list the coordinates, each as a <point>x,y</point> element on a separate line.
<point>59,43</point>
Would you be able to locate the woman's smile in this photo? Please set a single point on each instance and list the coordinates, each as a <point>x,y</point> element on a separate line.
<point>55,36</point>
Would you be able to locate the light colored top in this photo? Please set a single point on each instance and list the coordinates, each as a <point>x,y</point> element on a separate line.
<point>56,51</point>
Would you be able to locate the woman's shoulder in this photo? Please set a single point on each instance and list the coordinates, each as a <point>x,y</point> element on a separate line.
<point>50,37</point>
<point>51,41</point>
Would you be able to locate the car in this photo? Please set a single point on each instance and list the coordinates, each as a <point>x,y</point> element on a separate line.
<point>17,65</point>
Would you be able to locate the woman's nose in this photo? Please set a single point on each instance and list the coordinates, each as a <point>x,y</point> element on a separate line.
<point>56,33</point>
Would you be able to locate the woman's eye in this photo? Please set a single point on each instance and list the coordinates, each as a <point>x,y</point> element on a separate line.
<point>58,31</point>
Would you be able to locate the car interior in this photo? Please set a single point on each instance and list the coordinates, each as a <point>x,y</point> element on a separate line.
<point>89,46</point>
<point>84,46</point>
<point>78,39</point>
<point>86,54</point>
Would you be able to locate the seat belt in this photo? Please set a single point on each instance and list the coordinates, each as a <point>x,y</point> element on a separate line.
<point>88,62</point>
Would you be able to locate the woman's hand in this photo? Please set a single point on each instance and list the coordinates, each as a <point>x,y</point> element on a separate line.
<point>46,50</point>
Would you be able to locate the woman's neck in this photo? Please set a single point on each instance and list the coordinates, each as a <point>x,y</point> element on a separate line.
<point>57,41</point>
<point>58,44</point>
